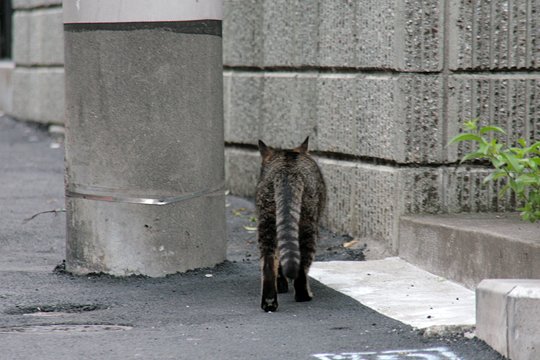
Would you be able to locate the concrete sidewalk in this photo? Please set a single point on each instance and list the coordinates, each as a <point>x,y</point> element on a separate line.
<point>202,314</point>
<point>403,292</point>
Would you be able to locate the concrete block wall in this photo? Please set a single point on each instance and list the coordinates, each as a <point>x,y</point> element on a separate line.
<point>494,35</point>
<point>381,87</point>
<point>395,117</point>
<point>509,100</point>
<point>389,34</point>
<point>38,54</point>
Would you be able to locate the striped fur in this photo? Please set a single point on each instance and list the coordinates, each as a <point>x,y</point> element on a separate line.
<point>290,198</point>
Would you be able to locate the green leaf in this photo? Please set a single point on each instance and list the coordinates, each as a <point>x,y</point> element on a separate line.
<point>503,190</point>
<point>533,148</point>
<point>520,153</point>
<point>517,168</point>
<point>471,125</point>
<point>484,148</point>
<point>466,137</point>
<point>498,161</point>
<point>531,164</point>
<point>495,175</point>
<point>519,189</point>
<point>526,216</point>
<point>473,155</point>
<point>512,162</point>
<point>536,144</point>
<point>535,160</point>
<point>489,128</point>
<point>528,179</point>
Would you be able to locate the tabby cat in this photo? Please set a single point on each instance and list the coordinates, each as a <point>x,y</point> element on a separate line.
<point>290,199</point>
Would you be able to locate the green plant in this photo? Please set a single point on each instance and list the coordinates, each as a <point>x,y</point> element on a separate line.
<point>518,165</point>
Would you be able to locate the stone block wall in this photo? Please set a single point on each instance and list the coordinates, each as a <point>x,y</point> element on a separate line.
<point>38,54</point>
<point>381,87</point>
<point>392,34</point>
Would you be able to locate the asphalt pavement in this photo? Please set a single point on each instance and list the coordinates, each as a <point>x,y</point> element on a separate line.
<point>203,314</point>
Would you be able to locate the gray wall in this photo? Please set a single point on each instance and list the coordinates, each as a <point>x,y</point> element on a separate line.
<point>379,85</point>
<point>38,53</point>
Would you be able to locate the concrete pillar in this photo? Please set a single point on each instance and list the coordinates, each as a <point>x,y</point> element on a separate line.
<point>144,136</point>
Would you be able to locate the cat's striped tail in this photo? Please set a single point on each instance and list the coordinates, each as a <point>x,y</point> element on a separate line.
<point>288,198</point>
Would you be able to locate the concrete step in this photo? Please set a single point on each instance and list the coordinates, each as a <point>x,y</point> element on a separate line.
<point>401,291</point>
<point>506,312</point>
<point>508,317</point>
<point>468,248</point>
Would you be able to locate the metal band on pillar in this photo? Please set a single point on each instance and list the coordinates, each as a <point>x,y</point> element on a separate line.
<point>123,196</point>
<point>144,113</point>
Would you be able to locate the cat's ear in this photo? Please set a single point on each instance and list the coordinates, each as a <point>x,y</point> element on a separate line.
<point>303,149</point>
<point>266,151</point>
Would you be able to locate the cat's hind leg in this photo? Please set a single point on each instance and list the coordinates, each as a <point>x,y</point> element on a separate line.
<point>269,263</point>
<point>307,240</point>
<point>302,291</point>
<point>269,266</point>
<point>282,282</point>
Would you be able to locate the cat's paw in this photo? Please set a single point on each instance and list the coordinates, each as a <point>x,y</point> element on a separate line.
<point>282,285</point>
<point>269,305</point>
<point>302,296</point>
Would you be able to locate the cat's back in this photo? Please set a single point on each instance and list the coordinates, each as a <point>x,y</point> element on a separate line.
<point>291,164</point>
<point>294,167</point>
<point>298,168</point>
